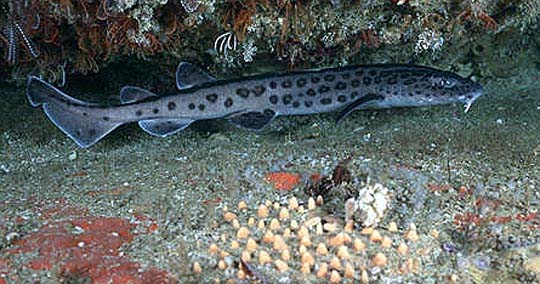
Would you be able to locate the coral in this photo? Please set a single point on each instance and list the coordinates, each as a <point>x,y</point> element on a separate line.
<point>292,243</point>
<point>14,35</point>
<point>369,207</point>
<point>77,36</point>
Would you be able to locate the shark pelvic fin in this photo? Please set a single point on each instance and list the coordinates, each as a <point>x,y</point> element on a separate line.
<point>188,76</point>
<point>65,112</point>
<point>164,127</point>
<point>130,94</point>
<point>356,104</point>
<point>255,120</point>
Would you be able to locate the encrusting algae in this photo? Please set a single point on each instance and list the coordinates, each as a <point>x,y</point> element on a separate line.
<point>294,245</point>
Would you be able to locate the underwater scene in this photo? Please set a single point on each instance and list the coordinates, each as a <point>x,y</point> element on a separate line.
<point>287,141</point>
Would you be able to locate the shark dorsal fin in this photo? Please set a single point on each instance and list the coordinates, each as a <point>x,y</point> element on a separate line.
<point>130,94</point>
<point>188,76</point>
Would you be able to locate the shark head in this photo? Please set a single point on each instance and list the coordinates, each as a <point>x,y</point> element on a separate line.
<point>455,88</point>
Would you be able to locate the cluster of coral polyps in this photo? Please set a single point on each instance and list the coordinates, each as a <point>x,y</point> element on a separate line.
<point>291,242</point>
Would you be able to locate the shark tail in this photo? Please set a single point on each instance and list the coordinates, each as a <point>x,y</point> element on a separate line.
<point>81,127</point>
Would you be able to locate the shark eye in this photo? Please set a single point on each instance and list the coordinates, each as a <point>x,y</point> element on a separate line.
<point>447,83</point>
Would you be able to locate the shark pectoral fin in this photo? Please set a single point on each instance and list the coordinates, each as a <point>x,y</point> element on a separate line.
<point>188,76</point>
<point>164,127</point>
<point>254,120</point>
<point>358,103</point>
<point>130,94</point>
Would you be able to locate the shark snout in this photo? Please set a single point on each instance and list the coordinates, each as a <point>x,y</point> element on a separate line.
<point>473,96</point>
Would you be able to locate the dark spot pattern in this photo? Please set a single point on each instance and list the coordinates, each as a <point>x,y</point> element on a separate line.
<point>366,81</point>
<point>171,105</point>
<point>286,84</point>
<point>138,113</point>
<point>191,106</point>
<point>355,83</point>
<point>269,112</point>
<point>345,76</point>
<point>212,98</point>
<point>242,92</point>
<point>202,107</point>
<point>273,99</point>
<point>85,114</point>
<point>409,81</point>
<point>301,82</point>
<point>342,98</point>
<point>329,77</point>
<point>377,80</point>
<point>287,99</point>
<point>106,118</point>
<point>341,86</point>
<point>359,73</point>
<point>315,80</point>
<point>295,104</point>
<point>326,101</point>
<point>258,90</point>
<point>155,111</point>
<point>308,103</point>
<point>323,89</point>
<point>311,93</point>
<point>273,85</point>
<point>354,95</point>
<point>391,80</point>
<point>228,102</point>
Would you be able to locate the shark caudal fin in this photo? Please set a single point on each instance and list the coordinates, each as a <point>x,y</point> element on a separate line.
<point>67,113</point>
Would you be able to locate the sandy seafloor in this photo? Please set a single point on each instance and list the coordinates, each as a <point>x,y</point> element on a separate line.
<point>473,177</point>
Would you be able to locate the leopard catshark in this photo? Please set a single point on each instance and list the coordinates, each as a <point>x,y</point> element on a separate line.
<point>253,102</point>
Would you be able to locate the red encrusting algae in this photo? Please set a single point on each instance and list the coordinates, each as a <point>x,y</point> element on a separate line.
<point>88,248</point>
<point>4,270</point>
<point>283,180</point>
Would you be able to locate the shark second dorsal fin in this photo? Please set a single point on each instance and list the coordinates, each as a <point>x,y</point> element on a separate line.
<point>356,104</point>
<point>164,127</point>
<point>188,76</point>
<point>130,94</point>
<point>255,120</point>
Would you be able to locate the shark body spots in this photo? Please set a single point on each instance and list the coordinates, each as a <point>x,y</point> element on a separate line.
<point>252,102</point>
<point>212,98</point>
<point>228,103</point>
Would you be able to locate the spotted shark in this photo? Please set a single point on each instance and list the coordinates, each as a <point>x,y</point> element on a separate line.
<point>252,102</point>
